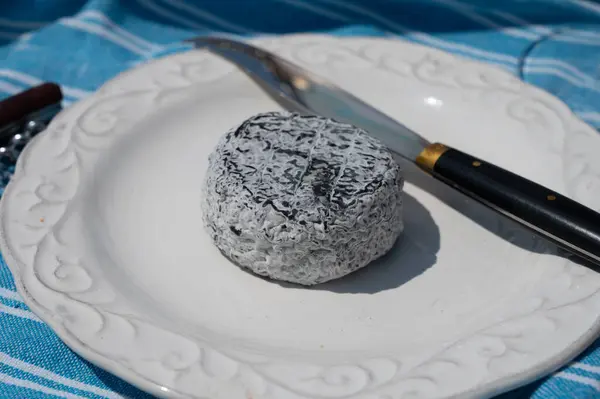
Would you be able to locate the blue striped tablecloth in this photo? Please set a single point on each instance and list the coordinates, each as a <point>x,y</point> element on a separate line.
<point>554,44</point>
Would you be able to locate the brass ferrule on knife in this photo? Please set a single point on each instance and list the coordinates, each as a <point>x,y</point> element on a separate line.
<point>430,155</point>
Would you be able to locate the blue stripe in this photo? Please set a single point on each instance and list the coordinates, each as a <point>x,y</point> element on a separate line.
<point>54,355</point>
<point>13,303</point>
<point>6,279</point>
<point>557,387</point>
<point>581,372</point>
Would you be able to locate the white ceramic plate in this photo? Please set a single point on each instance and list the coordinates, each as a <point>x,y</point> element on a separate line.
<point>101,227</point>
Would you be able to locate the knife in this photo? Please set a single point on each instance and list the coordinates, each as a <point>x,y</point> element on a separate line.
<point>559,219</point>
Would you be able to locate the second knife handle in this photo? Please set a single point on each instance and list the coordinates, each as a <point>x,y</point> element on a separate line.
<point>569,224</point>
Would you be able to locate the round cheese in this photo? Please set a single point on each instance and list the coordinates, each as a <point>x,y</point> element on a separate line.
<point>302,199</point>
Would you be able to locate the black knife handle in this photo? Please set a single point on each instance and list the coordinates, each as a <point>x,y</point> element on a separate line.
<point>567,223</point>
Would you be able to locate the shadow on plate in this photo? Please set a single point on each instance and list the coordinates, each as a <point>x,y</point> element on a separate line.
<point>416,250</point>
<point>413,253</point>
<point>499,225</point>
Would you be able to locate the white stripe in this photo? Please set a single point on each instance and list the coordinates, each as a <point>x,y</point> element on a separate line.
<point>9,88</point>
<point>589,116</point>
<point>22,24</point>
<point>117,29</point>
<point>578,36</point>
<point>567,35</point>
<point>9,294</point>
<point>25,36</point>
<point>576,40</point>
<point>562,65</point>
<point>542,29</point>
<point>74,92</point>
<point>471,14</point>
<point>315,9</point>
<point>423,37</point>
<point>577,378</point>
<point>41,372</point>
<point>542,70</point>
<point>20,76</point>
<point>32,81</point>
<point>171,15</point>
<point>583,33</point>
<point>457,47</point>
<point>587,5</point>
<point>103,33</point>
<point>521,22</point>
<point>586,367</point>
<point>7,379</point>
<point>24,314</point>
<point>207,16</point>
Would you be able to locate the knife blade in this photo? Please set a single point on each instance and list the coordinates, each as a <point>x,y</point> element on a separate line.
<point>299,90</point>
<point>558,218</point>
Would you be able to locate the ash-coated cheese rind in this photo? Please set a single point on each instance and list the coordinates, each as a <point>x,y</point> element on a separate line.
<point>302,199</point>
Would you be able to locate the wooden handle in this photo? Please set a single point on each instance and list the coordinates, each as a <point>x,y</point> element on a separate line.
<point>17,107</point>
<point>569,224</point>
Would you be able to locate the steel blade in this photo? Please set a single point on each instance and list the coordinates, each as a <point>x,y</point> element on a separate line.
<point>298,90</point>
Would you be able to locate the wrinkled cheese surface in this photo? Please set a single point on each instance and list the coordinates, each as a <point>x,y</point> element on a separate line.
<point>302,199</point>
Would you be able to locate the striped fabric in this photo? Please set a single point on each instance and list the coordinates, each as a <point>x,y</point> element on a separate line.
<point>554,44</point>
